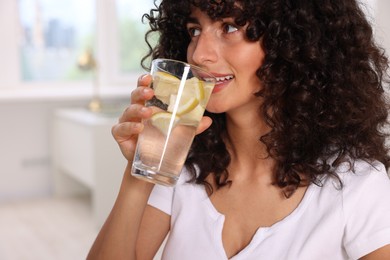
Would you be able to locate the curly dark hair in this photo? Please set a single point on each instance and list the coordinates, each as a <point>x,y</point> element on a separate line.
<point>323,79</point>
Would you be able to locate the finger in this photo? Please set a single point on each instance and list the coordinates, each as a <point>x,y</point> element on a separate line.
<point>144,80</point>
<point>126,135</point>
<point>204,123</point>
<point>135,112</point>
<point>140,94</point>
<point>126,130</point>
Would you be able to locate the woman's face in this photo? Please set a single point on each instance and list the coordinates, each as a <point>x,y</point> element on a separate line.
<point>221,48</point>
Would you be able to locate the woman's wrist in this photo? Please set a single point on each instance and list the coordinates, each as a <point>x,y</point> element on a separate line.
<point>131,183</point>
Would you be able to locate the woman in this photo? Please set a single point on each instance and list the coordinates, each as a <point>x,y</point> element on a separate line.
<point>290,161</point>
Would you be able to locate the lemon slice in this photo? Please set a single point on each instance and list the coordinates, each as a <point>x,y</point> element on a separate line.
<point>166,76</point>
<point>193,117</point>
<point>199,91</point>
<point>186,104</point>
<point>162,121</point>
<point>194,87</point>
<point>164,85</point>
<point>207,90</point>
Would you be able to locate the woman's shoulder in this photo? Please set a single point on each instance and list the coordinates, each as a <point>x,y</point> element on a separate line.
<point>185,177</point>
<point>163,197</point>
<point>365,206</point>
<point>362,184</point>
<point>186,185</point>
<point>362,173</point>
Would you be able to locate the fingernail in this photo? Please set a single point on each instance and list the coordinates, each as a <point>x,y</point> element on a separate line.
<point>146,90</point>
<point>143,76</point>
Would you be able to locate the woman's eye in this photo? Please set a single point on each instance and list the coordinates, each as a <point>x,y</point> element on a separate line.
<point>193,32</point>
<point>229,28</point>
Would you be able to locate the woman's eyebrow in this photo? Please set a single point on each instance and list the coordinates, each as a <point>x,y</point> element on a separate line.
<point>192,20</point>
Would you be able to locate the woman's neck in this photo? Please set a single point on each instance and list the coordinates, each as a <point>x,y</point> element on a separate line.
<point>243,143</point>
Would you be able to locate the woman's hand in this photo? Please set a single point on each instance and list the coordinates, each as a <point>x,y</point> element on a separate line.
<point>128,128</point>
<point>129,125</point>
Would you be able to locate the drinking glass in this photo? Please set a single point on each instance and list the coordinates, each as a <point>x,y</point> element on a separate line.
<point>181,93</point>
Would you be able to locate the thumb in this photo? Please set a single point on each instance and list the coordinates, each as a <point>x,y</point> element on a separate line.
<point>204,123</point>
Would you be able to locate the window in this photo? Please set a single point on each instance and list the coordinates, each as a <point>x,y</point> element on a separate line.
<point>131,34</point>
<point>43,40</point>
<point>53,35</point>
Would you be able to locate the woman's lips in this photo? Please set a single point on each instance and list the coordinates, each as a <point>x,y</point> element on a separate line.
<point>222,82</point>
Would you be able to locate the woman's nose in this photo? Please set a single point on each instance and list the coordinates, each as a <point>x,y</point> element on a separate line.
<point>205,49</point>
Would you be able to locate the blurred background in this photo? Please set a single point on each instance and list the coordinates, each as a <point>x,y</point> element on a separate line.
<point>67,68</point>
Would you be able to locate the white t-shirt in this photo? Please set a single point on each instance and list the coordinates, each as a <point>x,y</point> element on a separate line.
<point>329,223</point>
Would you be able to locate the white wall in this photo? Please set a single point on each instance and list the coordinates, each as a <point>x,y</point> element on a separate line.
<point>383,23</point>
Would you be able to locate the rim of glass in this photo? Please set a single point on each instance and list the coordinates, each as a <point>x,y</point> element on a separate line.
<point>187,65</point>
